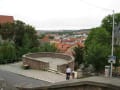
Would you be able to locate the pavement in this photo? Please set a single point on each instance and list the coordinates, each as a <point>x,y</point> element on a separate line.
<point>15,76</point>
<point>36,74</point>
<point>12,80</point>
<point>53,62</point>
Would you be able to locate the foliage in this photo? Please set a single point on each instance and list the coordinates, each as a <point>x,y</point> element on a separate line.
<point>24,38</point>
<point>107,24</point>
<point>117,54</point>
<point>47,47</point>
<point>97,48</point>
<point>98,35</point>
<point>22,28</point>
<point>41,36</point>
<point>51,37</point>
<point>97,56</point>
<point>15,31</point>
<point>7,52</point>
<point>78,55</point>
<point>7,31</point>
<point>108,21</point>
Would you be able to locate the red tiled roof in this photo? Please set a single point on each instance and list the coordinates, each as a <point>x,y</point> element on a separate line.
<point>6,19</point>
<point>45,39</point>
<point>63,47</point>
<point>81,44</point>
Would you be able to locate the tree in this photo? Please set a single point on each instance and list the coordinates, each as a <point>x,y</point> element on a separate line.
<point>99,35</point>
<point>97,56</point>
<point>117,54</point>
<point>41,36</point>
<point>108,21</point>
<point>47,47</point>
<point>26,45</point>
<point>7,31</point>
<point>51,37</point>
<point>21,28</point>
<point>107,24</point>
<point>15,31</point>
<point>97,48</point>
<point>23,35</point>
<point>78,53</point>
<point>7,52</point>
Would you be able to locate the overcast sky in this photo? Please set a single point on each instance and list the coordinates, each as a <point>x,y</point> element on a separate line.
<point>59,14</point>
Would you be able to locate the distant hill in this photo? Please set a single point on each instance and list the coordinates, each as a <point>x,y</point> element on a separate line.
<point>58,31</point>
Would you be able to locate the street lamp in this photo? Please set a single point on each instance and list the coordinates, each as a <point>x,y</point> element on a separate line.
<point>112,57</point>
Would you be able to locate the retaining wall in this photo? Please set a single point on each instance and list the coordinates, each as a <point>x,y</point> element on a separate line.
<point>79,85</point>
<point>30,60</point>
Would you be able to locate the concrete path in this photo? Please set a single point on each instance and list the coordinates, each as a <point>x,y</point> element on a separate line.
<point>37,74</point>
<point>53,62</point>
<point>13,80</point>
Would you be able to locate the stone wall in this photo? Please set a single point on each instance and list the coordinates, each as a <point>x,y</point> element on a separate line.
<point>35,64</point>
<point>49,54</point>
<point>84,85</point>
<point>30,60</point>
<point>62,68</point>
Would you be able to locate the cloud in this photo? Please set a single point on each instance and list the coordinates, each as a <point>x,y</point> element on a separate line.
<point>48,14</point>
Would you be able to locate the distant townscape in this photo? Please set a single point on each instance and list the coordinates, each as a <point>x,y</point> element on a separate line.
<point>33,59</point>
<point>64,40</point>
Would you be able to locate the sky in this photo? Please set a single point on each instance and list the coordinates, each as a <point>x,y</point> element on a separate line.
<point>59,14</point>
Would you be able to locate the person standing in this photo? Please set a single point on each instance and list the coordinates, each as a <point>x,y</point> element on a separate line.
<point>73,74</point>
<point>68,72</point>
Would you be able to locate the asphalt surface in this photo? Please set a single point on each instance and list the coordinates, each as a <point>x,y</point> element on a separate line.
<point>36,74</point>
<point>14,80</point>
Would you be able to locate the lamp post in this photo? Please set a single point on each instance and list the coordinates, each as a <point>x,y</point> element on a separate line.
<point>112,43</point>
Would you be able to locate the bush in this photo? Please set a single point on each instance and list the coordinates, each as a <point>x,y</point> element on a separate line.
<point>7,53</point>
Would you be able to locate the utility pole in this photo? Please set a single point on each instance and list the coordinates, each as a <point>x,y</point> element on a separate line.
<point>112,42</point>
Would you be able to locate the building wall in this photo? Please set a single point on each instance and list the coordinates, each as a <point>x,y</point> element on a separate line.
<point>6,19</point>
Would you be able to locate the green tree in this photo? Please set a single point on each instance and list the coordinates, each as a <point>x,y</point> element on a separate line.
<point>97,48</point>
<point>107,24</point>
<point>108,21</point>
<point>41,36</point>
<point>117,54</point>
<point>99,35</point>
<point>7,52</point>
<point>51,37</point>
<point>78,53</point>
<point>23,35</point>
<point>15,31</point>
<point>20,29</point>
<point>47,47</point>
<point>97,56</point>
<point>7,31</point>
<point>26,45</point>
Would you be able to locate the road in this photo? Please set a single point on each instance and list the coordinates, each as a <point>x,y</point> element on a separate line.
<point>36,74</point>
<point>18,80</point>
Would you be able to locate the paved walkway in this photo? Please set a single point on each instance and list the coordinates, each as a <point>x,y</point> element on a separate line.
<point>53,62</point>
<point>37,74</point>
<point>11,80</point>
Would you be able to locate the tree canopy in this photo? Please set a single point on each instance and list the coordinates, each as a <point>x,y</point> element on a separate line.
<point>78,53</point>
<point>22,35</point>
<point>107,22</point>
<point>47,47</point>
<point>15,31</point>
<point>97,48</point>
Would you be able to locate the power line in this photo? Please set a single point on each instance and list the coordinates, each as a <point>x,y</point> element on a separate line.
<point>90,4</point>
